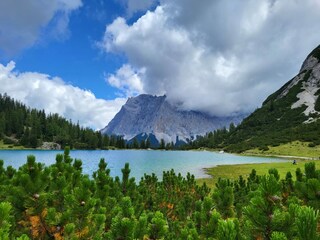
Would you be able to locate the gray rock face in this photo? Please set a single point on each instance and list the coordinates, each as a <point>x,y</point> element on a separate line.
<point>155,115</point>
<point>50,146</point>
<point>309,63</point>
<point>309,78</point>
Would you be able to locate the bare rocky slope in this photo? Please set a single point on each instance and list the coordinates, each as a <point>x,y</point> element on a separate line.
<point>147,116</point>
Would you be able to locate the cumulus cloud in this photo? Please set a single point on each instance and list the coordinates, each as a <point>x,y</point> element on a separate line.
<point>222,57</point>
<point>127,80</point>
<point>52,94</point>
<point>22,22</point>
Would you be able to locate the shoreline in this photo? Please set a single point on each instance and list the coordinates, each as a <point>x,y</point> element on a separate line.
<point>248,154</point>
<point>233,172</point>
<point>282,156</point>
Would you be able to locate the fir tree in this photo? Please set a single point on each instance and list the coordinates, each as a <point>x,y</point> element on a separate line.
<point>162,144</point>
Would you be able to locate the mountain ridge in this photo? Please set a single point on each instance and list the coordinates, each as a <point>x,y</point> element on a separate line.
<point>147,114</point>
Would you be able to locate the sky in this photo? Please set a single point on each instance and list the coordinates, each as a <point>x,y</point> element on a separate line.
<point>84,58</point>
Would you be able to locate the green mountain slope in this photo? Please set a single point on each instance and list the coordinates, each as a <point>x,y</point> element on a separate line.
<point>289,114</point>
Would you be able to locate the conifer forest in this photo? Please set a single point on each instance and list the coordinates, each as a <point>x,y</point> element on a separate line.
<point>23,126</point>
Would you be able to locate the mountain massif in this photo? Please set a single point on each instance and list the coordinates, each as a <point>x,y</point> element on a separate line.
<point>290,114</point>
<point>154,117</point>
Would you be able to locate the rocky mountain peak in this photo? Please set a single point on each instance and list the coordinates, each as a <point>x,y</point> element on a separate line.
<point>302,92</point>
<point>147,115</point>
<point>312,60</point>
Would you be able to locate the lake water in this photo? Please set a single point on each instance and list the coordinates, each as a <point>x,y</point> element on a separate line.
<point>140,161</point>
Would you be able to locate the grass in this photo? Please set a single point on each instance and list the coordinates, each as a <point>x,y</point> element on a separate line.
<point>234,171</point>
<point>4,146</point>
<point>296,148</point>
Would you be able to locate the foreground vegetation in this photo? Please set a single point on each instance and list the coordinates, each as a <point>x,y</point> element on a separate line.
<point>59,202</point>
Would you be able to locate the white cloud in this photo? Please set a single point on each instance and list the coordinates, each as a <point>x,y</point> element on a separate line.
<point>55,96</point>
<point>222,57</point>
<point>22,22</point>
<point>127,80</point>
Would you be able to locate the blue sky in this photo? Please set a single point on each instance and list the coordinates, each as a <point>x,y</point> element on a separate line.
<point>84,58</point>
<point>76,58</point>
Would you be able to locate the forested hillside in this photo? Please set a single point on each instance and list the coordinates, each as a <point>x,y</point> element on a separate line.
<point>20,125</point>
<point>290,114</point>
<point>59,202</point>
<point>259,131</point>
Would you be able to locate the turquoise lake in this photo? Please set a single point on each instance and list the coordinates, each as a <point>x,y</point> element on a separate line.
<point>140,161</point>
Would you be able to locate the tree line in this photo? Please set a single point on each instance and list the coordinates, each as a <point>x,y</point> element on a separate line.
<point>60,202</point>
<point>21,125</point>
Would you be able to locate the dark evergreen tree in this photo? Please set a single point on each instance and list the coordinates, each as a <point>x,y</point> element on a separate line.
<point>148,143</point>
<point>135,143</point>
<point>162,144</point>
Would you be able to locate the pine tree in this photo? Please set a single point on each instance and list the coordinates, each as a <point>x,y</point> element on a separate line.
<point>162,144</point>
<point>25,140</point>
<point>2,125</point>
<point>135,143</point>
<point>141,227</point>
<point>310,170</point>
<point>103,181</point>
<point>260,211</point>
<point>124,222</point>
<point>5,222</point>
<point>143,144</point>
<point>226,230</point>
<point>148,143</point>
<point>157,228</point>
<point>125,177</point>
<point>307,220</point>
<point>278,236</point>
<point>224,198</point>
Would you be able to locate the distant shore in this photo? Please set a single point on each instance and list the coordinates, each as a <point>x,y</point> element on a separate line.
<point>280,156</point>
<point>233,172</point>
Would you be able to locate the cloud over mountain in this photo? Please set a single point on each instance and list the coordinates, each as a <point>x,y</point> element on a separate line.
<point>204,58</point>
